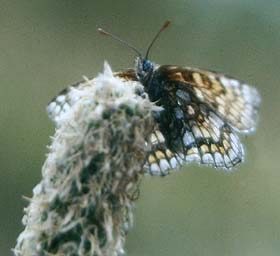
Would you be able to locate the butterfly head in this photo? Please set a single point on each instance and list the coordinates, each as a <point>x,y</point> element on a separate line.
<point>147,65</point>
<point>144,67</point>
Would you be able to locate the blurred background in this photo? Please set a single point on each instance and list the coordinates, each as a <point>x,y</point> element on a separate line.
<point>47,45</point>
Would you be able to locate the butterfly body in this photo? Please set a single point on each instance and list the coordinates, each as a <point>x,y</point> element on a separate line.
<point>202,112</point>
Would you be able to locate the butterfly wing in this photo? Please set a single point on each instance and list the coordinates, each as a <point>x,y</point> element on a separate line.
<point>234,101</point>
<point>204,139</point>
<point>60,104</point>
<point>210,108</point>
<point>204,111</point>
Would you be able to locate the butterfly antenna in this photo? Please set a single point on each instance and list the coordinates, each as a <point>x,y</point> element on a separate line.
<point>105,33</point>
<point>164,26</point>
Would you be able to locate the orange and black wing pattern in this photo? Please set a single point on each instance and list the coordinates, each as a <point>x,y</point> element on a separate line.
<point>233,100</point>
<point>204,112</point>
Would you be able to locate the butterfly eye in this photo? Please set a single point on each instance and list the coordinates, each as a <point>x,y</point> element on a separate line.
<point>147,65</point>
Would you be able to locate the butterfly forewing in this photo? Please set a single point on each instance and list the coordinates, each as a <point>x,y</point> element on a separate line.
<point>61,103</point>
<point>234,101</point>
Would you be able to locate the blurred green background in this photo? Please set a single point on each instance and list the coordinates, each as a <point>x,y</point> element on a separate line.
<point>47,45</point>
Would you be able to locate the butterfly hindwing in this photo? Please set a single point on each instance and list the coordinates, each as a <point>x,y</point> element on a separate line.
<point>160,158</point>
<point>203,138</point>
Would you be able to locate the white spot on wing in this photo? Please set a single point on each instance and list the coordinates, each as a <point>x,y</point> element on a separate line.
<point>190,110</point>
<point>193,158</point>
<point>216,134</point>
<point>57,110</point>
<point>188,138</point>
<point>164,165</point>
<point>227,161</point>
<point>234,82</point>
<point>207,159</point>
<point>179,113</point>
<point>66,107</point>
<point>173,162</point>
<point>224,81</point>
<point>159,136</point>
<point>231,154</point>
<point>215,120</point>
<point>196,132</point>
<point>155,168</point>
<point>218,159</point>
<point>61,99</point>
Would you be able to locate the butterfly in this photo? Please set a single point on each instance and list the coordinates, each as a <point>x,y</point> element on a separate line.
<point>203,113</point>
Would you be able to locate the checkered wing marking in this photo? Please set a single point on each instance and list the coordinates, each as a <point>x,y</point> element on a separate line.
<point>234,101</point>
<point>205,139</point>
<point>60,104</point>
<point>160,159</point>
<point>208,139</point>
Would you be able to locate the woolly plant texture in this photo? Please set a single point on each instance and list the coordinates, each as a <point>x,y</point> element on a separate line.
<point>90,179</point>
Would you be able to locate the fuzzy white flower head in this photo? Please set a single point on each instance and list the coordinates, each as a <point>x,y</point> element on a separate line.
<point>95,162</point>
<point>93,91</point>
